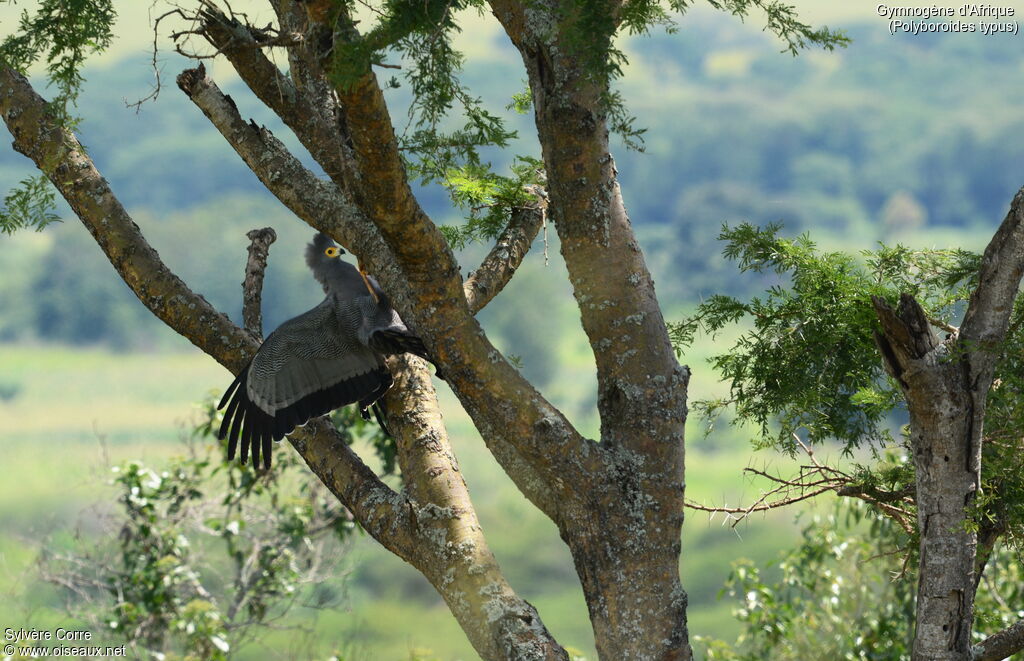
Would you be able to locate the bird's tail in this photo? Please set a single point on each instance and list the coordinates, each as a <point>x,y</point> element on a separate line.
<point>378,409</point>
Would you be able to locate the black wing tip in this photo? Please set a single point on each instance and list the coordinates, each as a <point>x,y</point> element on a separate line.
<point>247,428</point>
<point>363,388</point>
<point>378,412</point>
<point>251,432</point>
<point>267,441</point>
<point>231,389</point>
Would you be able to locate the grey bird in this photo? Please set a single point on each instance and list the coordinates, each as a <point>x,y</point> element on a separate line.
<point>321,360</point>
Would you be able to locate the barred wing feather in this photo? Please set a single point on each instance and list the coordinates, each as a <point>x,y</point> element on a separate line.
<point>309,366</point>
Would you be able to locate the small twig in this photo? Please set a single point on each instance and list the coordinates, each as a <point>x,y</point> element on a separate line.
<point>252,288</point>
<point>154,64</point>
<point>876,495</point>
<point>544,223</point>
<point>994,593</point>
<point>938,323</point>
<point>904,553</point>
<point>807,449</point>
<point>813,480</point>
<point>796,484</point>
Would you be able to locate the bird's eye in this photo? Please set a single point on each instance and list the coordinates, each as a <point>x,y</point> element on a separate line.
<point>331,252</point>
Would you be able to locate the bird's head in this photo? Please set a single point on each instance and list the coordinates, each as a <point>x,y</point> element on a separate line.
<point>321,250</point>
<point>322,257</point>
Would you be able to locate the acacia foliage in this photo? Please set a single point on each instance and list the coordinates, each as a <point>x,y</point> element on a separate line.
<point>806,362</point>
<point>806,365</point>
<point>63,33</point>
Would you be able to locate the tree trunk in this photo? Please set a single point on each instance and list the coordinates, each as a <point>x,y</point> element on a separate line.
<point>624,532</point>
<point>947,460</point>
<point>946,385</point>
<point>636,602</point>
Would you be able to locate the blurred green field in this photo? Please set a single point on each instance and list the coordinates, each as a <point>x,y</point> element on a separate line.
<point>69,414</point>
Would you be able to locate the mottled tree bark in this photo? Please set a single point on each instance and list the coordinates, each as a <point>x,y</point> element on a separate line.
<point>617,502</point>
<point>432,524</point>
<point>946,384</point>
<point>1000,646</point>
<point>631,581</point>
<point>252,286</point>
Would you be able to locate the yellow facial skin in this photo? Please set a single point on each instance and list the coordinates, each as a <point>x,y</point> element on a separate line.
<point>332,251</point>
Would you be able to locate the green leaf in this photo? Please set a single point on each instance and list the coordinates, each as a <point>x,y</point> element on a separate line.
<point>29,205</point>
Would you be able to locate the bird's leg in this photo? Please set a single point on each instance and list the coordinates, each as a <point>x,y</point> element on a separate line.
<point>359,266</point>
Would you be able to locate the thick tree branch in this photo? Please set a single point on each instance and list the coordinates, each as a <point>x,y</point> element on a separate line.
<point>1002,645</point>
<point>946,386</point>
<point>454,555</point>
<point>381,511</point>
<point>321,205</point>
<point>501,262</point>
<point>1002,266</point>
<point>642,389</point>
<point>905,336</point>
<point>638,484</point>
<point>252,286</point>
<point>59,155</point>
<point>313,120</point>
<point>942,438</point>
<point>386,196</point>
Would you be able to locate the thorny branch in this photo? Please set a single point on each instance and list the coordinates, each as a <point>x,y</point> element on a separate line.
<point>813,480</point>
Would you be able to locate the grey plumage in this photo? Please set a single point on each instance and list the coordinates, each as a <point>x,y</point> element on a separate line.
<point>321,360</point>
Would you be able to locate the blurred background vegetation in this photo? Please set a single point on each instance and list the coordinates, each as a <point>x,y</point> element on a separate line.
<point>900,138</point>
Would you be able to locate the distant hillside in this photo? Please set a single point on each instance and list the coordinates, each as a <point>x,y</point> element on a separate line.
<point>915,138</point>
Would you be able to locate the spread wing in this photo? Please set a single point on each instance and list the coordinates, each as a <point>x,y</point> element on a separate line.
<point>309,366</point>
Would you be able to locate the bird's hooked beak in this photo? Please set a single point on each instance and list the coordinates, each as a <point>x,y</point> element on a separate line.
<point>366,281</point>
